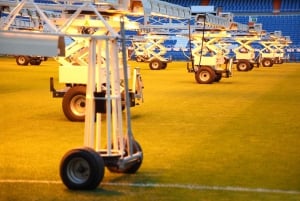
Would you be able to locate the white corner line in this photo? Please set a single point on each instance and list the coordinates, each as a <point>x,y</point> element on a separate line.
<point>157,185</point>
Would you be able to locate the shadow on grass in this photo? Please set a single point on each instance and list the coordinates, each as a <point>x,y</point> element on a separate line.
<point>113,186</point>
<point>133,179</point>
<point>136,116</point>
<point>100,191</point>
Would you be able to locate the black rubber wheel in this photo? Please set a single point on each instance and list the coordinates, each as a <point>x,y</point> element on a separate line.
<point>218,77</point>
<point>133,168</point>
<point>243,66</point>
<point>22,60</point>
<point>251,66</point>
<point>155,64</point>
<point>205,75</point>
<point>82,169</point>
<point>73,103</point>
<point>267,62</point>
<point>164,65</point>
<point>35,62</point>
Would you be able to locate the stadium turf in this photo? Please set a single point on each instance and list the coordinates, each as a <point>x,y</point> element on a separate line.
<point>237,139</point>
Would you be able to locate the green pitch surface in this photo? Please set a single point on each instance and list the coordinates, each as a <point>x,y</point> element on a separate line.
<point>236,140</point>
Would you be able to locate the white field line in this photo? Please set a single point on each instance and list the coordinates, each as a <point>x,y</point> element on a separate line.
<point>156,185</point>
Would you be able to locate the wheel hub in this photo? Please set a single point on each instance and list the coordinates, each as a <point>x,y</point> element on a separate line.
<point>204,76</point>
<point>78,170</point>
<point>78,105</point>
<point>243,66</point>
<point>155,65</point>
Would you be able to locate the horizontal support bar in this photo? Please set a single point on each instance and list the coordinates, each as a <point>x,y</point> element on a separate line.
<point>30,43</point>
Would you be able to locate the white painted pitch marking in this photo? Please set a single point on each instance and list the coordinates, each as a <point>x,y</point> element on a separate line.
<point>30,181</point>
<point>156,185</point>
<point>209,188</point>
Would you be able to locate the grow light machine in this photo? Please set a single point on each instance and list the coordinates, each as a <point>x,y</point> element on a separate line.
<point>207,35</point>
<point>83,168</point>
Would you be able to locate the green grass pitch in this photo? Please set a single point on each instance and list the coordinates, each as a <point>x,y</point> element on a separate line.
<point>236,140</point>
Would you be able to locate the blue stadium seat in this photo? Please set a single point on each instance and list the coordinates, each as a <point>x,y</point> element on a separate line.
<point>244,6</point>
<point>290,6</point>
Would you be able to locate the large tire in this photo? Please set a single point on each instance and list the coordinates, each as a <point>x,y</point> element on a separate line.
<point>73,103</point>
<point>266,62</point>
<point>155,64</point>
<point>243,65</point>
<point>164,65</point>
<point>252,66</point>
<point>133,168</point>
<point>82,169</point>
<point>218,77</point>
<point>22,60</point>
<point>205,75</point>
<point>35,61</point>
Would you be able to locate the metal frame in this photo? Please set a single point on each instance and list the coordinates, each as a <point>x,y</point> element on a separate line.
<point>121,154</point>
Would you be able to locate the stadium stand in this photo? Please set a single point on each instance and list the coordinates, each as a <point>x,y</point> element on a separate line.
<point>184,3</point>
<point>253,6</point>
<point>290,6</point>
